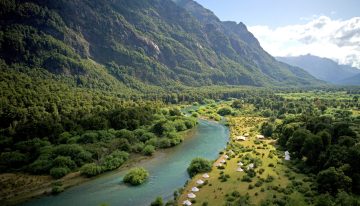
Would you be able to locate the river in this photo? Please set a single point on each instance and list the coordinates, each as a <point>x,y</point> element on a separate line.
<point>167,173</point>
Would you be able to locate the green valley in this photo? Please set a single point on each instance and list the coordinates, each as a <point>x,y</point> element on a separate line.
<point>90,90</point>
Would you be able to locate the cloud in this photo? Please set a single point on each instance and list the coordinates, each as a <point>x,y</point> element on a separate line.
<point>322,36</point>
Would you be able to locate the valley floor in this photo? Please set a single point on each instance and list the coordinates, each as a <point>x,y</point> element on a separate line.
<point>273,179</point>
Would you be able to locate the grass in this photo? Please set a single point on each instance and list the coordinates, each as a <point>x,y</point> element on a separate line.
<point>219,191</point>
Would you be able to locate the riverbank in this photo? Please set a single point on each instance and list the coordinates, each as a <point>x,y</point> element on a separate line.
<point>33,186</point>
<point>19,187</point>
<point>167,173</point>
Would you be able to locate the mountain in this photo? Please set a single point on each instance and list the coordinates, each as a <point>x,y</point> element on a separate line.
<point>141,45</point>
<point>353,80</point>
<point>324,69</point>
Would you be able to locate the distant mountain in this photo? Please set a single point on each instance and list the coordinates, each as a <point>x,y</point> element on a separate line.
<point>354,80</point>
<point>324,69</point>
<point>136,44</point>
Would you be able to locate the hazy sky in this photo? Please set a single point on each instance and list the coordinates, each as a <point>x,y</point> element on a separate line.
<point>326,28</point>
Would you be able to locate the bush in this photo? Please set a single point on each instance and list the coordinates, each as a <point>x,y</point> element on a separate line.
<point>164,143</point>
<point>59,172</point>
<point>136,176</point>
<point>62,161</point>
<point>149,150</point>
<point>57,189</point>
<point>13,159</point>
<point>91,169</point>
<point>246,178</point>
<point>199,165</point>
<point>158,202</point>
<point>224,111</point>
<point>40,166</point>
<point>111,163</point>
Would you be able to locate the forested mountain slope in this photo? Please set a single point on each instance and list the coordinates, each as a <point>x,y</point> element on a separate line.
<point>116,45</point>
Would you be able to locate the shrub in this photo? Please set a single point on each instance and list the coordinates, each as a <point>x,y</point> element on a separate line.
<point>246,178</point>
<point>62,161</point>
<point>57,189</point>
<point>136,176</point>
<point>164,143</point>
<point>158,202</point>
<point>138,147</point>
<point>199,165</point>
<point>40,166</point>
<point>91,169</point>
<point>224,111</point>
<point>149,150</point>
<point>111,163</point>
<point>59,172</point>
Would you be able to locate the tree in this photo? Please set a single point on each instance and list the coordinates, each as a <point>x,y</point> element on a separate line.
<point>325,137</point>
<point>312,148</point>
<point>295,143</point>
<point>324,200</point>
<point>237,104</point>
<point>158,202</point>
<point>332,180</point>
<point>136,176</point>
<point>224,111</point>
<point>199,165</point>
<point>267,129</point>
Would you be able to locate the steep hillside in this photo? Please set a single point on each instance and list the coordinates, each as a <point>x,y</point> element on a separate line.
<point>116,45</point>
<point>323,68</point>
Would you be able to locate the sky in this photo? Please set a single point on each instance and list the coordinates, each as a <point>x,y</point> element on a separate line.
<point>325,28</point>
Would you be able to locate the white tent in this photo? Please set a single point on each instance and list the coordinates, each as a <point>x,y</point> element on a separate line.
<point>240,164</point>
<point>250,166</point>
<point>242,138</point>
<point>259,136</point>
<point>239,169</point>
<point>287,155</point>
<point>200,182</point>
<point>218,164</point>
<point>191,195</point>
<point>187,202</point>
<point>225,156</point>
<point>205,175</point>
<point>194,189</point>
<point>222,161</point>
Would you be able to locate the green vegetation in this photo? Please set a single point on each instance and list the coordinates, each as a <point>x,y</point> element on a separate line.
<point>136,176</point>
<point>199,165</point>
<point>158,202</point>
<point>56,137</point>
<point>321,132</point>
<point>87,93</point>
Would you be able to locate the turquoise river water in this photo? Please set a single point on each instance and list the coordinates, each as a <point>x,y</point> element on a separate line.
<point>167,173</point>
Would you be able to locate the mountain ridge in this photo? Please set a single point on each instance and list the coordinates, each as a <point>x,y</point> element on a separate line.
<point>324,68</point>
<point>158,43</point>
